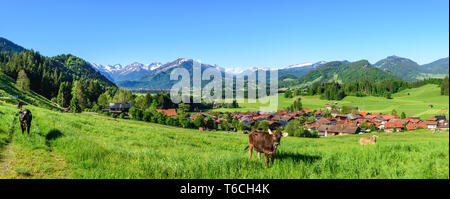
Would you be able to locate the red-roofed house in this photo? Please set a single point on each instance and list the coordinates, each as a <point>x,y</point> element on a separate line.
<point>388,117</point>
<point>431,124</point>
<point>414,126</point>
<point>392,126</point>
<point>363,114</point>
<point>412,120</point>
<point>221,119</point>
<point>168,112</point>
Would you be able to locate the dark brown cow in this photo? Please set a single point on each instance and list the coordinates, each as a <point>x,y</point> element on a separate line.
<point>263,142</point>
<point>25,118</point>
<point>19,106</point>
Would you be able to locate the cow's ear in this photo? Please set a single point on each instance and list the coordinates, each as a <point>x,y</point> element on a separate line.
<point>285,134</point>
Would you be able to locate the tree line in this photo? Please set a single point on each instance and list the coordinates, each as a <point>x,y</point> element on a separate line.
<point>360,88</point>
<point>444,86</point>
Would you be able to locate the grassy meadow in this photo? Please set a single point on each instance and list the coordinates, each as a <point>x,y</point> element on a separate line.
<point>87,145</point>
<point>414,102</point>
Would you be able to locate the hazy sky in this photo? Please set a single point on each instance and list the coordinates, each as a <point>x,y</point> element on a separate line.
<point>230,33</point>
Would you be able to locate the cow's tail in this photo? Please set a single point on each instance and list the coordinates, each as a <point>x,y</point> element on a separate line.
<point>246,147</point>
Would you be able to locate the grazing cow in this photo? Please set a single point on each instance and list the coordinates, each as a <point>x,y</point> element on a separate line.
<point>25,118</point>
<point>371,140</point>
<point>19,106</point>
<point>263,142</point>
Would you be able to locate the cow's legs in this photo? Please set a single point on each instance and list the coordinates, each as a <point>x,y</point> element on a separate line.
<point>267,159</point>
<point>250,149</point>
<point>259,155</point>
<point>28,129</point>
<point>22,127</point>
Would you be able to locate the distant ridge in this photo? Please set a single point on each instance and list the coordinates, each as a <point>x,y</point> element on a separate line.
<point>342,72</point>
<point>9,46</point>
<point>409,70</point>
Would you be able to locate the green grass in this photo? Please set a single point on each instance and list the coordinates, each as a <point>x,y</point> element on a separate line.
<point>6,125</point>
<point>414,105</point>
<point>66,145</point>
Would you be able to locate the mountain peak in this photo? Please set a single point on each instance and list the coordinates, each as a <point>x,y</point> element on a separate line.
<point>9,46</point>
<point>393,57</point>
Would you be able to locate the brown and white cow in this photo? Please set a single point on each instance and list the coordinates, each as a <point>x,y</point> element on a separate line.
<point>371,140</point>
<point>264,142</point>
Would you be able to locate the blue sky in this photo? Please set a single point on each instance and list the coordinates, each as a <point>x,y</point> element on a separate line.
<point>230,33</point>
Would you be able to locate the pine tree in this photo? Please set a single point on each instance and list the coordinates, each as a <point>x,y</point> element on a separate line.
<point>394,112</point>
<point>64,96</point>
<point>78,92</point>
<point>403,116</point>
<point>94,90</point>
<point>23,83</point>
<point>74,105</point>
<point>123,96</point>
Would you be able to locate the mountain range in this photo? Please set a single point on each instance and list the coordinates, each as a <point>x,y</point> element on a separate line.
<point>156,75</point>
<point>409,70</point>
<point>129,72</point>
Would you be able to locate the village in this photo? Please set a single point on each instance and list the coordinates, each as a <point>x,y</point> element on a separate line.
<point>327,122</point>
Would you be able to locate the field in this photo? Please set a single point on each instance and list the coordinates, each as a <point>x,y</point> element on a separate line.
<point>414,102</point>
<point>66,145</point>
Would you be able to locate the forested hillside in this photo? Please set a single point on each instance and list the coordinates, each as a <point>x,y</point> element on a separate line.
<point>341,72</point>
<point>46,74</point>
<point>361,88</point>
<point>47,81</point>
<point>437,67</point>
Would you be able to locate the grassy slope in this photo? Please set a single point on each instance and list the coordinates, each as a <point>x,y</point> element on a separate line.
<point>91,146</point>
<point>8,88</point>
<point>415,104</point>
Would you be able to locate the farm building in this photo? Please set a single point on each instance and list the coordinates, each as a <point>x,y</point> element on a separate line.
<point>118,108</point>
<point>327,130</point>
<point>393,126</point>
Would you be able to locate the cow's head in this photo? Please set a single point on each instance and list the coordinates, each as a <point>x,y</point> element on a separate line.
<point>276,137</point>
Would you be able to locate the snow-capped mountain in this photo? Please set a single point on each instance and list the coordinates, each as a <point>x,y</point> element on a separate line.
<point>138,72</point>
<point>132,71</point>
<point>299,65</point>
<point>299,70</point>
<point>306,64</point>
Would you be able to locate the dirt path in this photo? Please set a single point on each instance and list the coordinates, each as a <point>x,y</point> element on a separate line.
<point>7,155</point>
<point>18,160</point>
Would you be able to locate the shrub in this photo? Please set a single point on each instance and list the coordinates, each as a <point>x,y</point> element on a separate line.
<point>262,125</point>
<point>295,128</point>
<point>199,121</point>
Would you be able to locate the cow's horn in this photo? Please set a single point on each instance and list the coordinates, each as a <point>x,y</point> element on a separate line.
<point>270,132</point>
